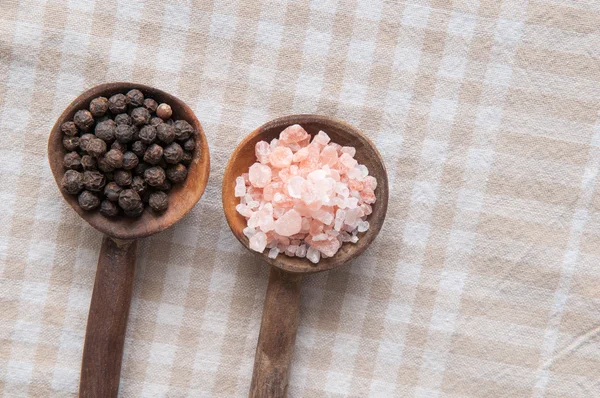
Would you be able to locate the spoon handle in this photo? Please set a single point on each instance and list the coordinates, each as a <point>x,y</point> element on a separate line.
<point>107,321</point>
<point>277,335</point>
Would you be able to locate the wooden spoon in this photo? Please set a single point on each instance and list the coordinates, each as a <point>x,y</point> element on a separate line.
<point>107,321</point>
<point>282,302</point>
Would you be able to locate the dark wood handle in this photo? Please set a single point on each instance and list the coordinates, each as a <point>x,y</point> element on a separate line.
<point>277,335</point>
<point>107,321</point>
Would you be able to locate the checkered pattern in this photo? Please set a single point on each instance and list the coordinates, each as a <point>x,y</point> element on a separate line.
<point>484,280</point>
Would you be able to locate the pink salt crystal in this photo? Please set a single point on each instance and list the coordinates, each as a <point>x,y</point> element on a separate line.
<point>340,215</point>
<point>367,209</point>
<point>313,255</point>
<point>281,157</point>
<point>300,156</point>
<point>342,189</point>
<point>273,252</point>
<point>335,174</point>
<point>289,224</point>
<point>260,175</point>
<point>295,242</point>
<point>350,150</point>
<point>258,241</point>
<point>328,247</point>
<point>291,250</point>
<point>278,212</point>
<point>274,143</point>
<point>348,161</point>
<point>356,185</point>
<point>294,147</point>
<point>328,156</point>
<point>368,196</point>
<point>246,177</point>
<point>321,138</point>
<point>305,225</point>
<point>354,174</point>
<point>301,251</point>
<point>249,232</point>
<point>316,227</point>
<point>244,210</point>
<point>337,147</point>
<point>320,236</point>
<point>240,187</point>
<point>370,182</point>
<point>262,150</point>
<point>364,171</point>
<point>293,134</point>
<point>295,187</point>
<point>363,226</point>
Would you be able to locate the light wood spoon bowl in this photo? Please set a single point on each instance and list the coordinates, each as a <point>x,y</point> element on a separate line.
<point>111,298</point>
<point>282,303</point>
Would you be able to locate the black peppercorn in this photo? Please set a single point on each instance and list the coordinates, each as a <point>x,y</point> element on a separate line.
<point>154,176</point>
<point>148,134</point>
<point>165,186</point>
<point>88,162</point>
<point>136,211</point>
<point>150,104</point>
<point>183,130</point>
<point>139,148</point>
<point>114,158</point>
<point>106,130</point>
<point>165,133</point>
<point>138,184</point>
<point>93,180</point>
<point>140,116</point>
<point>104,166</point>
<point>72,160</point>
<point>153,154</point>
<point>155,121</point>
<point>96,147</point>
<point>164,111</point>
<point>117,104</point>
<point>71,143</point>
<point>173,153</point>
<point>129,199</point>
<point>84,140</point>
<point>109,209</point>
<point>140,169</point>
<point>158,201</point>
<point>190,144</point>
<point>112,191</point>
<point>83,119</point>
<point>187,158</point>
<point>70,129</point>
<point>123,177</point>
<point>135,98</point>
<point>130,160</point>
<point>123,118</point>
<point>119,146</point>
<point>170,122</point>
<point>88,200</point>
<point>72,182</point>
<point>177,173</point>
<point>99,106</point>
<point>124,133</point>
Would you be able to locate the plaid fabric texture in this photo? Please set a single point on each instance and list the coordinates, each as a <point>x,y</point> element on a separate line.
<point>485,280</point>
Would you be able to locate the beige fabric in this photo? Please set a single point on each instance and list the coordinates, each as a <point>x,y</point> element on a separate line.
<point>485,279</point>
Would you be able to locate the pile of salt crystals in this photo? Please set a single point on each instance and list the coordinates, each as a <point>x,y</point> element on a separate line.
<point>304,198</point>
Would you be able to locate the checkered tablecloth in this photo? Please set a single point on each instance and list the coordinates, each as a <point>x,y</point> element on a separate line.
<point>485,280</point>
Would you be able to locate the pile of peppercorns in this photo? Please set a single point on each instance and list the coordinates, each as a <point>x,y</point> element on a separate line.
<point>125,153</point>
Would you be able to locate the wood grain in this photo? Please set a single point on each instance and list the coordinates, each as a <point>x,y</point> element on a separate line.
<point>277,335</point>
<point>107,320</point>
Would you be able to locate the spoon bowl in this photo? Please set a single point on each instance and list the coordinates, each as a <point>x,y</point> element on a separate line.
<point>282,301</point>
<point>341,133</point>
<point>182,197</point>
<point>113,286</point>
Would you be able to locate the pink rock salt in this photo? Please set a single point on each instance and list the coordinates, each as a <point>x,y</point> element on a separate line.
<point>303,198</point>
<point>260,175</point>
